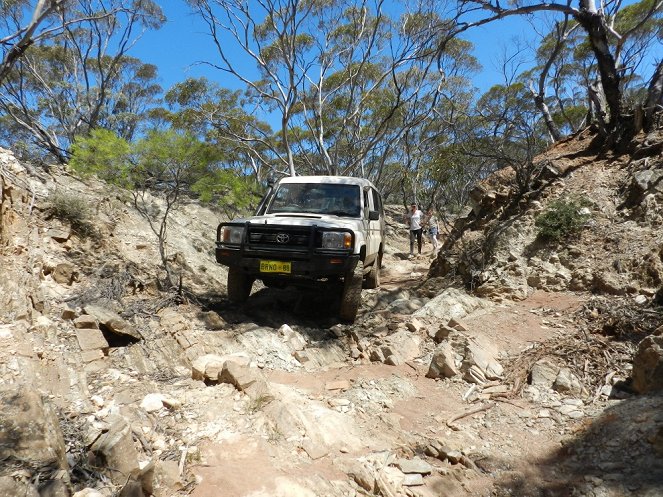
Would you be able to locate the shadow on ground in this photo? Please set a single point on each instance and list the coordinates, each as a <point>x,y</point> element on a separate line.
<point>620,453</point>
<point>274,307</point>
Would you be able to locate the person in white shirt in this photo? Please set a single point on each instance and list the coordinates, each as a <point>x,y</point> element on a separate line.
<point>415,220</point>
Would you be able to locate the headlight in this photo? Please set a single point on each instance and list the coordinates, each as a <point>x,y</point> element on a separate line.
<point>336,240</point>
<point>232,234</point>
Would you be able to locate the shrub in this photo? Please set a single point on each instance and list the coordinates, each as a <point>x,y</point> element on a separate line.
<point>71,209</point>
<point>561,219</point>
<point>104,154</point>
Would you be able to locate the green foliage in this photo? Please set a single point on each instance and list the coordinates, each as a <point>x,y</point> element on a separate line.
<point>103,154</point>
<point>173,163</point>
<point>73,210</point>
<point>76,75</point>
<point>639,16</point>
<point>573,114</point>
<point>561,219</point>
<point>226,189</point>
<point>170,160</point>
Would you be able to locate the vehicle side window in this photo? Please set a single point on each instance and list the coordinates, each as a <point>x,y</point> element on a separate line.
<point>367,205</point>
<point>377,202</point>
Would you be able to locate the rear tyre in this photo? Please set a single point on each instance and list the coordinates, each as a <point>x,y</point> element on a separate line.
<point>351,295</point>
<point>373,277</point>
<point>239,285</point>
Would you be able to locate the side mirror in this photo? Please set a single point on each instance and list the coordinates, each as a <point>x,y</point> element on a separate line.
<point>373,216</point>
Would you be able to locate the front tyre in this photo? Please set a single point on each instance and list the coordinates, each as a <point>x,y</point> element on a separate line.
<point>373,277</point>
<point>351,295</point>
<point>239,285</point>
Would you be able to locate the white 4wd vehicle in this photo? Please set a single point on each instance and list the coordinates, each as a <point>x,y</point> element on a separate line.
<point>308,231</point>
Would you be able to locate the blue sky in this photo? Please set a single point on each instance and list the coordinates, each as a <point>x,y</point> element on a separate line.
<point>179,46</point>
<point>183,41</point>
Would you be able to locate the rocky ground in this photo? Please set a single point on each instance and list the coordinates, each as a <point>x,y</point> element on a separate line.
<point>524,387</point>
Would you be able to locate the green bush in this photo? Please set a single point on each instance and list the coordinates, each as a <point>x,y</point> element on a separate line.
<point>71,209</point>
<point>561,219</point>
<point>104,154</point>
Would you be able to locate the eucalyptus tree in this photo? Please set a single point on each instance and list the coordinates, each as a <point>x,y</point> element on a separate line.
<point>26,22</point>
<point>609,46</point>
<point>131,95</point>
<point>548,53</point>
<point>217,115</point>
<point>654,103</point>
<point>374,67</point>
<point>563,53</point>
<point>507,132</point>
<point>315,59</point>
<point>563,78</point>
<point>427,124</point>
<point>80,77</point>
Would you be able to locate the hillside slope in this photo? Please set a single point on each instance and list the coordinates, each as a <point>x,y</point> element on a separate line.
<point>619,251</point>
<point>113,385</point>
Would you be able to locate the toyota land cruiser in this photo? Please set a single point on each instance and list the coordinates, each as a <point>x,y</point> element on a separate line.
<point>308,231</point>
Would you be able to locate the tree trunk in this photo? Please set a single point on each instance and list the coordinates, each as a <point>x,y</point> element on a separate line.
<point>540,103</point>
<point>597,108</point>
<point>595,24</point>
<point>654,102</point>
<point>286,145</point>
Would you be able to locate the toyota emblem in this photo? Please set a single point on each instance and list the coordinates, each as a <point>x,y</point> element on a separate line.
<point>282,238</point>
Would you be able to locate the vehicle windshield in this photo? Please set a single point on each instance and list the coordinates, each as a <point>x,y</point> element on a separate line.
<point>316,198</point>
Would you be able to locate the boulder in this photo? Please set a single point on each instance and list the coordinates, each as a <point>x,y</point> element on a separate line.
<point>415,325</point>
<point>161,478</point>
<point>152,402</point>
<point>543,373</point>
<point>59,234</point>
<point>113,322</point>
<point>394,360</point>
<point>443,333</point>
<point>213,321</point>
<point>11,487</point>
<point>376,355</point>
<point>443,363</point>
<point>567,382</point>
<point>451,303</point>
<point>363,475</point>
<point>115,449</point>
<point>646,179</point>
<point>91,339</point>
<point>648,365</point>
<point>403,344</point>
<point>29,430</point>
<point>65,273</point>
<point>208,367</point>
<point>415,465</point>
<point>457,324</point>
<point>86,322</point>
<point>248,380</point>
<point>413,480</point>
<point>610,283</point>
<point>483,357</point>
<point>68,314</point>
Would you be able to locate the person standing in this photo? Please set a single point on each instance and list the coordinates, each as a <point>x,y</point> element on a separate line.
<point>415,220</point>
<point>433,228</point>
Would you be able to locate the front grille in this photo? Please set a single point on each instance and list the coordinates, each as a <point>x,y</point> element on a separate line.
<point>285,237</point>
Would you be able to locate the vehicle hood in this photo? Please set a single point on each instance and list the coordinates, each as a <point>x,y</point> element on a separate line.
<point>324,221</point>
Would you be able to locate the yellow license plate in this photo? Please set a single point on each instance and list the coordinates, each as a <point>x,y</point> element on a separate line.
<point>275,267</point>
